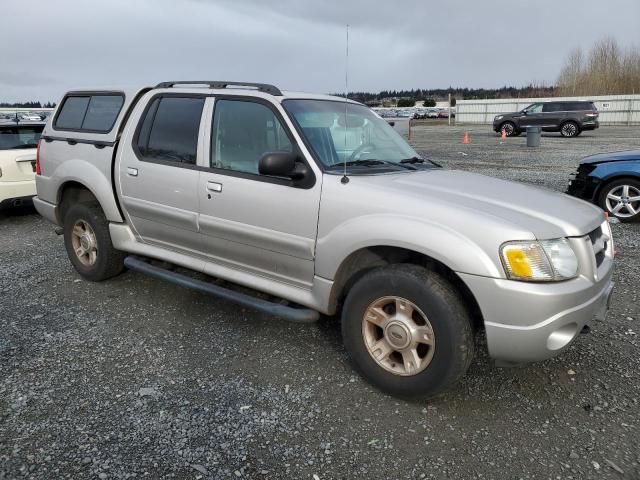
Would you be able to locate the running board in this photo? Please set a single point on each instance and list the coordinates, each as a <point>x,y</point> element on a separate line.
<point>298,315</point>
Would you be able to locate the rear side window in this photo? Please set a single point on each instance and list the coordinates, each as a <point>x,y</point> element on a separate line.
<point>169,130</point>
<point>91,113</point>
<point>577,106</point>
<point>553,107</point>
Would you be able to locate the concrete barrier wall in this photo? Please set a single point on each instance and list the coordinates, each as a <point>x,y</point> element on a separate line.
<point>613,109</point>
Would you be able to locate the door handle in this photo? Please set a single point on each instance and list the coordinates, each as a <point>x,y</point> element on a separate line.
<point>214,186</point>
<point>132,172</point>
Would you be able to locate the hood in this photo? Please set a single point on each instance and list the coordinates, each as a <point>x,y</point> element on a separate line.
<point>612,157</point>
<point>546,214</point>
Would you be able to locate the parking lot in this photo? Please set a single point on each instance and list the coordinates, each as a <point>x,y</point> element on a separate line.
<point>135,378</point>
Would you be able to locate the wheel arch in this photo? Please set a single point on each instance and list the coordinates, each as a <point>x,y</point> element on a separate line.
<point>607,180</point>
<point>73,191</point>
<point>363,260</point>
<point>79,178</point>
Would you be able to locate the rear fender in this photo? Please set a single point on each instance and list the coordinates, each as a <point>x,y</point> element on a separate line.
<point>93,179</point>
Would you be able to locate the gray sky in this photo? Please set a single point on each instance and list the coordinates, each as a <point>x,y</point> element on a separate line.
<point>55,45</point>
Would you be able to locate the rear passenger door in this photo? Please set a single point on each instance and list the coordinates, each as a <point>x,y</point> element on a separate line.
<point>261,225</point>
<point>158,174</point>
<point>552,114</point>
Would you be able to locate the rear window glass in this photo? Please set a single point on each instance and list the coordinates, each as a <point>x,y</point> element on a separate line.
<point>573,106</point>
<point>15,138</point>
<point>170,129</point>
<point>93,113</point>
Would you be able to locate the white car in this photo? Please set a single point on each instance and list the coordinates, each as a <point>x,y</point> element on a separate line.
<point>18,147</point>
<point>30,117</point>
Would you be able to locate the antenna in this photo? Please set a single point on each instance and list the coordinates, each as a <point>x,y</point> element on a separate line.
<point>345,179</point>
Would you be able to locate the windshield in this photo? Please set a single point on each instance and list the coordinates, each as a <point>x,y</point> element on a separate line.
<point>17,137</point>
<point>359,138</point>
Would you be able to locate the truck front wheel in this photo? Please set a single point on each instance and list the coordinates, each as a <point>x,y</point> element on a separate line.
<point>407,330</point>
<point>88,243</point>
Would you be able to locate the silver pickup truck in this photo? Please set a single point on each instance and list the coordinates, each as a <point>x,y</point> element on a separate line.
<point>319,205</point>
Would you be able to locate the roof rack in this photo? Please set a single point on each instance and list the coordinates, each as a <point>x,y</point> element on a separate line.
<point>261,87</point>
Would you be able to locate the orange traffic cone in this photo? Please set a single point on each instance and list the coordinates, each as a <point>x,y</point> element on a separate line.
<point>465,139</point>
<point>503,136</point>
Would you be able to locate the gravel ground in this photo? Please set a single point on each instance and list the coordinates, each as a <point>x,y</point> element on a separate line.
<point>135,378</point>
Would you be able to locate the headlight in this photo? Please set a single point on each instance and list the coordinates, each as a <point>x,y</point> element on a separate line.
<point>544,261</point>
<point>499,117</point>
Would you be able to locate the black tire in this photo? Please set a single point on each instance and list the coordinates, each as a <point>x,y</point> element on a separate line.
<point>446,312</point>
<point>615,187</point>
<point>109,262</point>
<point>569,129</point>
<point>510,129</point>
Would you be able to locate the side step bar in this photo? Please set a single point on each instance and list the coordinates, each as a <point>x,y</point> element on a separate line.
<point>298,315</point>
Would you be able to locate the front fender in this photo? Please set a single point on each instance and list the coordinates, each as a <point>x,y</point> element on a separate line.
<point>93,179</point>
<point>437,241</point>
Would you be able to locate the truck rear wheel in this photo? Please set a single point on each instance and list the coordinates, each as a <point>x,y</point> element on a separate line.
<point>407,330</point>
<point>88,243</point>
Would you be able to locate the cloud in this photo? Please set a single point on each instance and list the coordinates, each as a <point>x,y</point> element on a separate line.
<point>297,44</point>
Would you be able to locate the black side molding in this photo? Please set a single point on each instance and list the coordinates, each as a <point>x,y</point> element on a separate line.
<point>298,315</point>
<point>73,141</point>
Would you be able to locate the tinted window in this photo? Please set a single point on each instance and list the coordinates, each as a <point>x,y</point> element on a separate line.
<point>102,112</point>
<point>553,107</point>
<point>170,129</point>
<point>242,133</point>
<point>95,113</point>
<point>20,137</point>
<point>574,106</point>
<point>72,113</point>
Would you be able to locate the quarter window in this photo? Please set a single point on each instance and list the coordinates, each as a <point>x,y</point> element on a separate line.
<point>170,129</point>
<point>93,113</point>
<point>243,132</point>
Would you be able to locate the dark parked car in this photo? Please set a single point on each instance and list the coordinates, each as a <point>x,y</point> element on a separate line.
<point>568,118</point>
<point>612,181</point>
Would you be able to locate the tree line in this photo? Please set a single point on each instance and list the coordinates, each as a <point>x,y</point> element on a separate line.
<point>430,95</point>
<point>27,105</point>
<point>606,69</point>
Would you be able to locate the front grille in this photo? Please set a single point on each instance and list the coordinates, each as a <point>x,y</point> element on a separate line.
<point>600,242</point>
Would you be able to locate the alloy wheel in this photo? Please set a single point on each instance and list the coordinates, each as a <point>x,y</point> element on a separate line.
<point>84,242</point>
<point>569,129</point>
<point>623,201</point>
<point>398,336</point>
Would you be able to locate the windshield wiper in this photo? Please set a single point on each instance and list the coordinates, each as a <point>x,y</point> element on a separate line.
<point>419,160</point>
<point>364,163</point>
<point>413,160</point>
<point>370,162</point>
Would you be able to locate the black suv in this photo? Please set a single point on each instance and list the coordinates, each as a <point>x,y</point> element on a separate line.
<point>568,118</point>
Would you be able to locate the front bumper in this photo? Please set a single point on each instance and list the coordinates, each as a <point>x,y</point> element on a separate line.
<point>528,322</point>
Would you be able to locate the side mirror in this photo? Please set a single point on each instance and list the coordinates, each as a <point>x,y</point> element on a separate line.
<point>524,112</point>
<point>278,164</point>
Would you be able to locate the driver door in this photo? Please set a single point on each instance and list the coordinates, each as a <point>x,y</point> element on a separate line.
<point>259,224</point>
<point>534,116</point>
